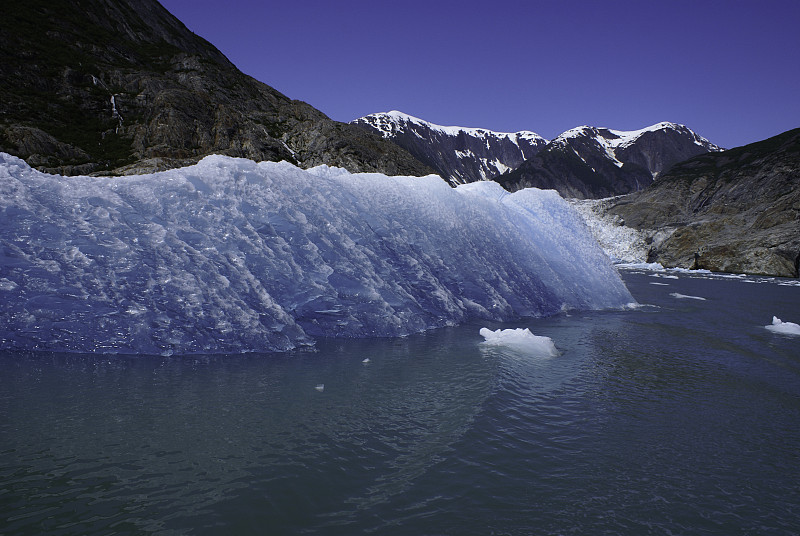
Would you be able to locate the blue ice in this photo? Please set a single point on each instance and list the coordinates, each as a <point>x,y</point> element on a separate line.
<point>230,255</point>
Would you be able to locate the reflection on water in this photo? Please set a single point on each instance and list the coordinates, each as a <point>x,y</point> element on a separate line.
<point>172,439</point>
<point>677,417</point>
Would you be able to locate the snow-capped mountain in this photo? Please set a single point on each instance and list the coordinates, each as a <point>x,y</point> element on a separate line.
<point>591,162</point>
<point>460,155</point>
<point>583,162</point>
<point>654,147</point>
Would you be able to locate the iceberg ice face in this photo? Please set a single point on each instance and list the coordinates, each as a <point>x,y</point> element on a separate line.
<point>230,255</point>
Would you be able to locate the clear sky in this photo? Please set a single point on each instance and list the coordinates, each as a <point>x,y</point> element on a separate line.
<point>728,69</point>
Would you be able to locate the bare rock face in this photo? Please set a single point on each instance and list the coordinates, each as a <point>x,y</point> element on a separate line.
<point>122,86</point>
<point>736,211</point>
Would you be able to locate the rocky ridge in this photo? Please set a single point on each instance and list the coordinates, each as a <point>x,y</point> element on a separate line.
<point>590,162</point>
<point>583,162</point>
<point>122,86</point>
<point>460,155</point>
<point>737,211</point>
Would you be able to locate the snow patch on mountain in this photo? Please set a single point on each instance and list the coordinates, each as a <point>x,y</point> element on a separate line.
<point>459,154</point>
<point>611,141</point>
<point>391,121</point>
<point>622,138</point>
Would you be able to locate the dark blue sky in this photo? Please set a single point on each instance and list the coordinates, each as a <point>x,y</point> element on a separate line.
<point>729,69</point>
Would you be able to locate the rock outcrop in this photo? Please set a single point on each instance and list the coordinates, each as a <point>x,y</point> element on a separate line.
<point>122,86</point>
<point>736,211</point>
<point>589,162</point>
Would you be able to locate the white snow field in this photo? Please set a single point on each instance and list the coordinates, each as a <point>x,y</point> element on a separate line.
<point>230,255</point>
<point>520,339</point>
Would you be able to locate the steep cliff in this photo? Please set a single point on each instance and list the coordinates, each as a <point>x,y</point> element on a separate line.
<point>122,86</point>
<point>735,211</point>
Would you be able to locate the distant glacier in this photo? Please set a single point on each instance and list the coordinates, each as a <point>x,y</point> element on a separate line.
<point>231,256</point>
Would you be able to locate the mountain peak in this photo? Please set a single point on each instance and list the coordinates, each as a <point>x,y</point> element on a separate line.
<point>584,161</point>
<point>396,117</point>
<point>458,154</point>
<point>621,138</point>
<point>589,161</point>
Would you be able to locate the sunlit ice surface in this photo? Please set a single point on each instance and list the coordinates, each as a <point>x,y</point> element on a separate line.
<point>231,255</point>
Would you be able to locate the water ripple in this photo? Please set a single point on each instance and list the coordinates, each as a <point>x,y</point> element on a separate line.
<point>680,419</point>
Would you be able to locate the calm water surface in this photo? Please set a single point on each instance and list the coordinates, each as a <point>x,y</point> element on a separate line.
<point>680,417</point>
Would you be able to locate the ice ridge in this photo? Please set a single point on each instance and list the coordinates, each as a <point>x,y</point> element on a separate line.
<point>230,255</point>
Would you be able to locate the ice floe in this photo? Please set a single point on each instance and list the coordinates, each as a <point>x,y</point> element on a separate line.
<point>520,339</point>
<point>785,328</point>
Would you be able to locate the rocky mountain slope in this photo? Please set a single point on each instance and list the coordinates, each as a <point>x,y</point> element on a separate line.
<point>590,162</point>
<point>123,86</point>
<point>584,162</point>
<point>735,211</point>
<point>458,154</point>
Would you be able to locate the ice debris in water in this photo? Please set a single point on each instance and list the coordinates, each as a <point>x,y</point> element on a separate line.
<point>786,328</point>
<point>686,296</point>
<point>520,339</point>
<point>230,255</point>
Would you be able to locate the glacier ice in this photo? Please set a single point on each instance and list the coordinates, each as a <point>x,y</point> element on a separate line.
<point>520,339</point>
<point>231,255</point>
<point>623,244</point>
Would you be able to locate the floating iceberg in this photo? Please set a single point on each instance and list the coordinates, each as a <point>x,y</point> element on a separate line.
<point>520,339</point>
<point>786,328</point>
<point>231,255</point>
